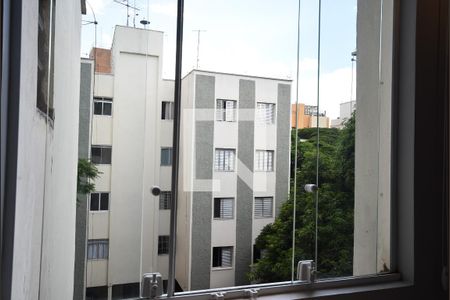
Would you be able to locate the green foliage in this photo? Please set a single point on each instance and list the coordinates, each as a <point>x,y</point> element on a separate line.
<point>87,171</point>
<point>336,204</point>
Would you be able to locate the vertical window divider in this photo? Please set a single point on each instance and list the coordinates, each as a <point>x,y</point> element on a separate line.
<point>175,152</point>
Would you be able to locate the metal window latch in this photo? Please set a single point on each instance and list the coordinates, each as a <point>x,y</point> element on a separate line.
<point>306,271</point>
<point>152,287</point>
<point>218,296</point>
<point>251,293</point>
<point>311,188</point>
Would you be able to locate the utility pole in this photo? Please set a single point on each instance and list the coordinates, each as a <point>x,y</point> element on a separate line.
<point>128,6</point>
<point>198,45</point>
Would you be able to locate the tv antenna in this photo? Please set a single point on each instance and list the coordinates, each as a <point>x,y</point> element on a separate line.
<point>199,31</point>
<point>129,7</point>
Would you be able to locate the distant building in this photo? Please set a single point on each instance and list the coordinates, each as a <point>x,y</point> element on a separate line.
<point>346,110</point>
<point>307,117</point>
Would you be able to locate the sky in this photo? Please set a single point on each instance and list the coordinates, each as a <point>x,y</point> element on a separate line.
<point>251,37</point>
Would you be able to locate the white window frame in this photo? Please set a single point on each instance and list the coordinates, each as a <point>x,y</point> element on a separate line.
<point>226,110</point>
<point>99,201</point>
<point>167,110</point>
<point>102,101</point>
<point>266,207</point>
<point>101,147</point>
<point>169,163</point>
<point>264,160</point>
<point>224,160</point>
<point>95,246</point>
<point>165,198</point>
<point>231,257</point>
<point>263,113</point>
<point>221,208</point>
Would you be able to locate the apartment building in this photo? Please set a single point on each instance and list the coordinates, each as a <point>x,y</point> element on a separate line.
<point>234,173</point>
<point>346,110</point>
<point>307,117</point>
<point>245,150</point>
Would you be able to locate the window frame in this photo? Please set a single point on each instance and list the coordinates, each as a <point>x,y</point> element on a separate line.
<point>222,267</point>
<point>163,244</point>
<point>263,216</point>
<point>223,111</point>
<point>101,147</point>
<point>264,164</point>
<point>218,169</point>
<point>171,105</point>
<point>260,122</point>
<point>99,201</point>
<point>96,243</point>
<point>221,218</point>
<point>102,100</point>
<point>419,26</point>
<point>166,202</point>
<point>169,164</point>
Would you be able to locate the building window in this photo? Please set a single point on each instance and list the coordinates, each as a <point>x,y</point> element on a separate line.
<point>265,113</point>
<point>223,208</point>
<point>264,160</point>
<point>226,110</point>
<point>167,110</point>
<point>164,200</point>
<point>166,156</point>
<point>163,244</point>
<point>102,106</point>
<point>222,257</point>
<point>224,159</point>
<point>263,207</point>
<point>101,155</point>
<point>125,291</point>
<point>99,201</point>
<point>98,249</point>
<point>45,58</point>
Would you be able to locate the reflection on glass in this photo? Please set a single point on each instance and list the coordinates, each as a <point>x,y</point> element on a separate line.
<point>249,144</point>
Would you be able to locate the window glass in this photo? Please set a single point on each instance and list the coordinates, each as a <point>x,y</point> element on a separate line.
<point>94,201</point>
<point>224,159</point>
<point>223,208</point>
<point>97,108</point>
<point>226,110</point>
<point>104,203</point>
<point>263,207</point>
<point>98,249</point>
<point>222,257</point>
<point>164,200</point>
<point>264,160</point>
<point>166,157</point>
<point>265,113</point>
<point>107,109</point>
<point>163,244</point>
<point>167,110</point>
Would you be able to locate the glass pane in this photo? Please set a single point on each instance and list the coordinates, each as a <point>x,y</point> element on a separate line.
<point>98,108</point>
<point>94,201</point>
<point>104,203</point>
<point>96,155</point>
<point>107,108</point>
<point>106,155</point>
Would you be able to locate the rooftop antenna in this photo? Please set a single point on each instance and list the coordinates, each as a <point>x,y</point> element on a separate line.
<point>198,44</point>
<point>128,6</point>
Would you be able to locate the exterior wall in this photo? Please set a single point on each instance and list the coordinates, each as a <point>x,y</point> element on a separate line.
<point>200,90</point>
<point>373,138</point>
<point>47,160</point>
<point>102,59</point>
<point>84,137</point>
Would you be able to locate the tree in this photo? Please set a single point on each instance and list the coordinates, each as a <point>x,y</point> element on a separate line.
<point>87,172</point>
<point>336,204</point>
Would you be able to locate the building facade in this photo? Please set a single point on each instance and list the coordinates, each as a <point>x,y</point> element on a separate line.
<point>346,110</point>
<point>131,128</point>
<point>307,117</point>
<point>234,173</point>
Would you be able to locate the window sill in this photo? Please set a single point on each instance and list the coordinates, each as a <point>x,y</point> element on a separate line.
<point>301,290</point>
<point>98,211</point>
<point>223,219</point>
<point>221,269</point>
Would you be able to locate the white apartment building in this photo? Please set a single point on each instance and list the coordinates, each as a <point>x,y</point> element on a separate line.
<point>131,142</point>
<point>39,135</point>
<point>346,110</point>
